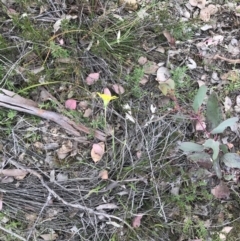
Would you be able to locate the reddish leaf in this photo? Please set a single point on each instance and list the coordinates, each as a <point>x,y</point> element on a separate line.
<point>221,191</point>
<point>97,151</point>
<point>92,78</point>
<point>103,174</point>
<point>171,40</point>
<point>71,104</point>
<point>137,220</point>
<point>118,89</point>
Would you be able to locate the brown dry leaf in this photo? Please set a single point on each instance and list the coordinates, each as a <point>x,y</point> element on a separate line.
<point>88,112</point>
<point>212,9</point>
<point>118,89</point>
<point>83,104</point>
<point>137,220</point>
<point>150,67</point>
<point>129,4</point>
<point>92,78</point>
<point>103,174</point>
<point>97,151</point>
<point>144,80</point>
<point>13,172</point>
<point>49,236</point>
<point>171,40</point>
<point>31,217</point>
<point>142,60</point>
<point>39,145</point>
<point>66,148</point>
<point>205,14</point>
<point>221,191</point>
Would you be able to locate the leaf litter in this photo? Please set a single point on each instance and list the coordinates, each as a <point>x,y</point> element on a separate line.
<point>210,45</point>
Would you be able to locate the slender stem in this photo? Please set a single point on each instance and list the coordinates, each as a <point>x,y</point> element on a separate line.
<point>105,110</point>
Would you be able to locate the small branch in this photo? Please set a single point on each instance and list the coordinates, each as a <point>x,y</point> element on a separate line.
<point>11,233</point>
<point>232,61</point>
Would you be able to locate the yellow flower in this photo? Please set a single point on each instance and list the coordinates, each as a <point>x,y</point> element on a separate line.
<point>106,98</point>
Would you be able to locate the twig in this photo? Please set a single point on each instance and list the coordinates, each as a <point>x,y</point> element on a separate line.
<point>53,193</point>
<point>232,61</point>
<point>11,233</point>
<point>39,215</point>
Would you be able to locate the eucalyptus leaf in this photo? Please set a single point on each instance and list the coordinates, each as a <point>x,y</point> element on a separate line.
<point>191,147</point>
<point>231,160</point>
<point>214,145</point>
<point>199,156</point>
<point>198,100</point>
<point>228,122</point>
<point>213,112</point>
<point>217,168</point>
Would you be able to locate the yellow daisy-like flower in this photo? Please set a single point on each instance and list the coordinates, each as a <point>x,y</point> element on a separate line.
<point>106,98</point>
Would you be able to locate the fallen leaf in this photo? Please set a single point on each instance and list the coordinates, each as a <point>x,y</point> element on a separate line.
<point>31,217</point>
<point>66,148</point>
<point>150,67</point>
<point>13,172</point>
<point>221,191</point>
<point>83,104</point>
<point>88,112</point>
<point>128,113</point>
<point>97,151</point>
<point>171,40</point>
<point>106,91</point>
<point>62,177</point>
<point>198,3</point>
<point>143,80</point>
<point>200,125</point>
<point>163,74</point>
<point>92,78</point>
<point>238,100</point>
<point>137,220</point>
<point>49,237</point>
<point>129,4</point>
<point>204,15</point>
<point>118,89</point>
<point>114,224</point>
<point>103,174</point>
<point>228,104</point>
<point>7,180</point>
<point>71,104</point>
<point>142,60</point>
<point>192,64</point>
<point>107,206</point>
<point>223,233</point>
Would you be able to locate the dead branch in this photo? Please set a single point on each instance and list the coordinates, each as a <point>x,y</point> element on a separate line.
<point>13,101</point>
<point>232,61</point>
